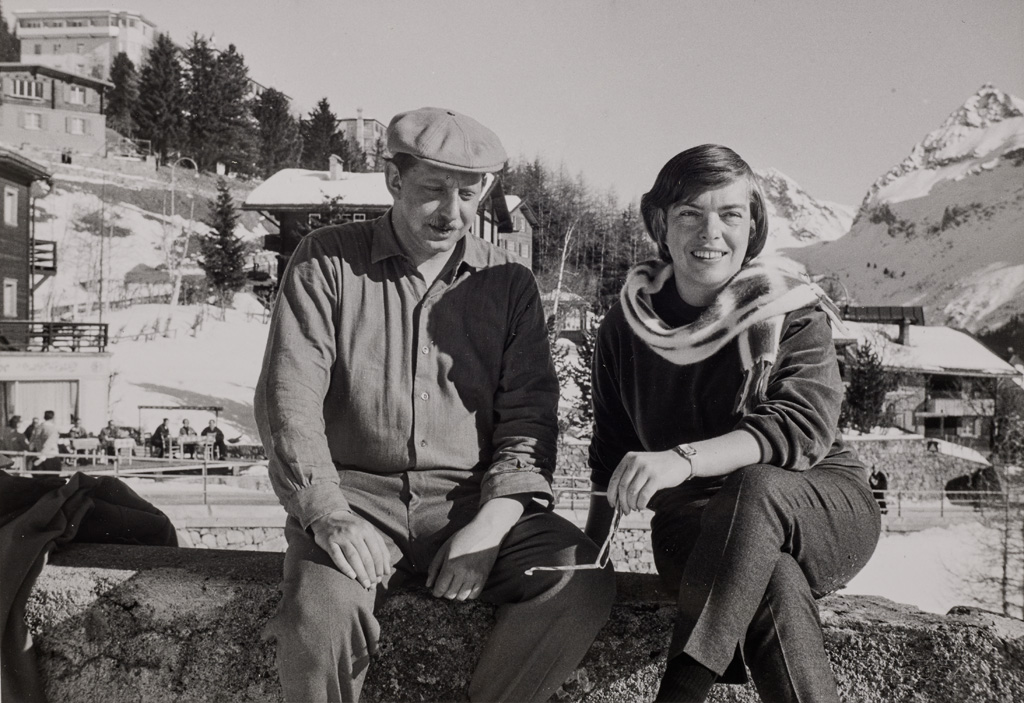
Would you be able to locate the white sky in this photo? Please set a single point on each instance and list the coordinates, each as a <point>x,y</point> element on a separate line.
<point>831,93</point>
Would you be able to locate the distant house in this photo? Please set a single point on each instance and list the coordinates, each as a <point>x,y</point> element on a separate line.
<point>59,366</point>
<point>52,109</point>
<point>946,379</point>
<point>83,42</point>
<point>520,240</point>
<point>297,201</point>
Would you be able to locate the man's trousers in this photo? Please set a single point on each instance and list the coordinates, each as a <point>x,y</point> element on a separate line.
<point>750,556</point>
<point>326,631</point>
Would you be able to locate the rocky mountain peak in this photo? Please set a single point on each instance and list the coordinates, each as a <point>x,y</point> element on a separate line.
<point>961,136</point>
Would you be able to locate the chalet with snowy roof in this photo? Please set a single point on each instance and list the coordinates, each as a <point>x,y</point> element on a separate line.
<point>52,109</point>
<point>947,380</point>
<point>297,201</point>
<point>519,240</point>
<point>59,366</point>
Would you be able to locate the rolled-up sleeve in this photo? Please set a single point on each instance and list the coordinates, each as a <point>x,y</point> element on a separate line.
<point>796,425</point>
<point>525,404</point>
<point>293,383</point>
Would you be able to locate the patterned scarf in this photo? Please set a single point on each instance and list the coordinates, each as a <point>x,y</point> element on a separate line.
<point>751,309</point>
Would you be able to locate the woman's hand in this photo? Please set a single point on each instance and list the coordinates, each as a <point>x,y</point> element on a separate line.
<point>642,474</point>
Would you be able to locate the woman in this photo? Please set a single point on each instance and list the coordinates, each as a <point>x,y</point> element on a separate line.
<point>716,399</point>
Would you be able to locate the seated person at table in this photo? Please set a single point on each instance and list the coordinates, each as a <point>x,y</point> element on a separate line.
<point>187,435</point>
<point>107,436</point>
<point>219,449</point>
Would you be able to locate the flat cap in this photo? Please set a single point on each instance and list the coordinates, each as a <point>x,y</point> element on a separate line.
<point>447,139</point>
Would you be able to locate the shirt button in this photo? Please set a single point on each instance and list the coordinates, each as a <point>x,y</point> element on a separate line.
<point>423,442</point>
<point>426,350</point>
<point>425,395</point>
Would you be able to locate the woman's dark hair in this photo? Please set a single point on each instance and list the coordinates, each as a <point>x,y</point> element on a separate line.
<point>692,172</point>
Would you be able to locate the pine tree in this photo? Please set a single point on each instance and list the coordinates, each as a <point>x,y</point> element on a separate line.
<point>124,96</point>
<point>868,383</point>
<point>321,138</point>
<point>280,144</point>
<point>158,111</point>
<point>202,101</point>
<point>237,131</point>
<point>10,45</point>
<point>223,252</point>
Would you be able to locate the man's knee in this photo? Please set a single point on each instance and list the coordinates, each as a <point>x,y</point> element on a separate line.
<point>323,612</point>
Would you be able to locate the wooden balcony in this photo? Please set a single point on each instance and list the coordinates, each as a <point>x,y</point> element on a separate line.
<point>30,336</point>
<point>43,257</point>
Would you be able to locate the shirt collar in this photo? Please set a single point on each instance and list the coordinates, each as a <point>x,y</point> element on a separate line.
<point>385,245</point>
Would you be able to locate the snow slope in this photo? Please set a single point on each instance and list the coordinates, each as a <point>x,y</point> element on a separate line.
<point>797,219</point>
<point>944,228</point>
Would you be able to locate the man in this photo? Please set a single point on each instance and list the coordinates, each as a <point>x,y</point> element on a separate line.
<point>44,441</point>
<point>186,438</point>
<point>107,436</point>
<point>220,450</point>
<point>879,484</point>
<point>160,441</point>
<point>407,404</point>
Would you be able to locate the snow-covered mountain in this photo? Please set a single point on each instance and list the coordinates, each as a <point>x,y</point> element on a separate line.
<point>945,227</point>
<point>795,218</point>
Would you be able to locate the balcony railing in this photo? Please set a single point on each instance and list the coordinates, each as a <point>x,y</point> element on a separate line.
<point>43,257</point>
<point>959,407</point>
<point>28,336</point>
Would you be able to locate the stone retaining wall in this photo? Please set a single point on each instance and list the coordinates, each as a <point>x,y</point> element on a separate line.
<point>909,465</point>
<point>154,624</point>
<point>907,462</point>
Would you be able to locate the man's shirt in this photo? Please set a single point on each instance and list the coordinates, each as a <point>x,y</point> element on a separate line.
<point>367,369</point>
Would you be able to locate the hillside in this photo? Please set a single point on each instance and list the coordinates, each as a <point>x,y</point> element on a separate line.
<point>944,228</point>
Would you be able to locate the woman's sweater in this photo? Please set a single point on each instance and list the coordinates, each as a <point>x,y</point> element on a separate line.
<point>644,403</point>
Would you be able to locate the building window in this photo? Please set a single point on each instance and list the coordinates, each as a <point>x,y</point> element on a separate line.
<point>37,49</point>
<point>76,125</point>
<point>56,48</point>
<point>33,121</point>
<point>10,297</point>
<point>10,206</point>
<point>359,217</point>
<point>80,48</point>
<point>78,23</point>
<point>26,88</point>
<point>76,95</point>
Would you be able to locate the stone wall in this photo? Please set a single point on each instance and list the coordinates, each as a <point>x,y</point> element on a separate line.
<point>909,465</point>
<point>907,462</point>
<point>160,625</point>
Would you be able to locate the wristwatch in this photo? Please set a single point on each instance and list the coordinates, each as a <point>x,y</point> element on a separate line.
<point>688,452</point>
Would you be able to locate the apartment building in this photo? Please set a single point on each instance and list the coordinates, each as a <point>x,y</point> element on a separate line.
<point>83,42</point>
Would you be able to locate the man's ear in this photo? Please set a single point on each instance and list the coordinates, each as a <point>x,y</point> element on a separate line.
<point>393,179</point>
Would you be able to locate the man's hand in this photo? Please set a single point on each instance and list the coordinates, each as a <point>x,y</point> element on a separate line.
<point>354,545</point>
<point>461,567</point>
<point>642,474</point>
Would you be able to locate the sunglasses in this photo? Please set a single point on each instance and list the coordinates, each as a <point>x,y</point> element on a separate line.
<point>603,555</point>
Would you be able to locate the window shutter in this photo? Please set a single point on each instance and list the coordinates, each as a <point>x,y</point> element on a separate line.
<point>86,126</point>
<point>21,119</point>
<point>42,121</point>
<point>67,125</point>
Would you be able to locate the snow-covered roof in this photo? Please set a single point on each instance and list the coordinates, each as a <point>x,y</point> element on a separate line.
<point>301,189</point>
<point>939,350</point>
<point>298,188</point>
